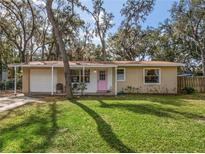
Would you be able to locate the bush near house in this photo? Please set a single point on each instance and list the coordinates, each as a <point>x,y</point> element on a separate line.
<point>188,90</point>
<point>9,85</point>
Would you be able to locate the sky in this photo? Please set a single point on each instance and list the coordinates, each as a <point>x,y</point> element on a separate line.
<point>159,13</point>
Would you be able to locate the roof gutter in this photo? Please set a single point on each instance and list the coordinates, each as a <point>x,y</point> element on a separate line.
<point>101,65</point>
<point>155,65</point>
<point>71,66</point>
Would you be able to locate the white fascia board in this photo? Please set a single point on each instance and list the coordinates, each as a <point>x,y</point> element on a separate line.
<point>71,66</point>
<point>150,65</point>
<point>100,66</point>
<point>93,66</point>
<point>23,65</point>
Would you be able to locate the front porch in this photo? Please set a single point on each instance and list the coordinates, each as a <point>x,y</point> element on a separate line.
<point>42,81</point>
<point>48,78</point>
<point>97,81</point>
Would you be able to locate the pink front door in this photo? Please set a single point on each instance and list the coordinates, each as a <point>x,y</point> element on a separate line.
<point>102,80</point>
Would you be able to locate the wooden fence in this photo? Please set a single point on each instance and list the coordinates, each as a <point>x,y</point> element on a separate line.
<point>196,82</point>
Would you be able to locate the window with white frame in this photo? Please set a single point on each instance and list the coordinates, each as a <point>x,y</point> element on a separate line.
<point>77,76</point>
<point>152,76</point>
<point>86,76</point>
<point>120,74</point>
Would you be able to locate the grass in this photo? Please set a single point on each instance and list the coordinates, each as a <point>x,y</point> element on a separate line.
<point>141,123</point>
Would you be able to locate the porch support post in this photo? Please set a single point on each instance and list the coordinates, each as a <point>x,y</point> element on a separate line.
<point>15,80</point>
<point>83,74</point>
<point>52,80</point>
<point>116,80</point>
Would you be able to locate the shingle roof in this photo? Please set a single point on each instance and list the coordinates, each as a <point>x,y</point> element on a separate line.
<point>102,63</point>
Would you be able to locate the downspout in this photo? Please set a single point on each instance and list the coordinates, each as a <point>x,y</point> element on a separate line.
<point>15,80</point>
<point>83,74</point>
<point>116,80</point>
<point>83,77</point>
<point>52,80</point>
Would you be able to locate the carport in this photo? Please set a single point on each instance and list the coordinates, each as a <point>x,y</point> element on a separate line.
<point>44,82</point>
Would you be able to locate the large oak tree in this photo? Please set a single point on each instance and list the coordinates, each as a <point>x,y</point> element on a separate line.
<point>61,45</point>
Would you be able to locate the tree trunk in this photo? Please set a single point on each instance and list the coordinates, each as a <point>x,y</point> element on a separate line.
<point>43,46</point>
<point>57,57</point>
<point>61,48</point>
<point>103,50</point>
<point>42,53</point>
<point>1,65</point>
<point>23,56</point>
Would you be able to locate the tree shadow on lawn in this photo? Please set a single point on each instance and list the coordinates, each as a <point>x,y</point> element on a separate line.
<point>27,145</point>
<point>6,114</point>
<point>48,133</point>
<point>175,100</point>
<point>138,108</point>
<point>105,129</point>
<point>152,110</point>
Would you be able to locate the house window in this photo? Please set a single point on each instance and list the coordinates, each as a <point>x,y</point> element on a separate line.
<point>86,76</point>
<point>120,74</point>
<point>102,75</point>
<point>75,76</point>
<point>152,76</point>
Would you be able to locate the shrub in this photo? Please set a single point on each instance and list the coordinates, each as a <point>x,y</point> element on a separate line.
<point>9,84</point>
<point>131,90</point>
<point>121,93</point>
<point>19,84</point>
<point>188,90</point>
<point>2,86</point>
<point>82,87</point>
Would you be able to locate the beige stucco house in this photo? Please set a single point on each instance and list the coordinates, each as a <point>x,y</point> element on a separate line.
<point>104,78</point>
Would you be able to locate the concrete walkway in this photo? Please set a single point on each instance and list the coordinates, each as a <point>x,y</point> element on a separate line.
<point>12,102</point>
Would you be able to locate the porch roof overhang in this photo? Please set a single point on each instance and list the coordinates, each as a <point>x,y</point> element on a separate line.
<point>101,64</point>
<point>153,65</point>
<point>61,66</point>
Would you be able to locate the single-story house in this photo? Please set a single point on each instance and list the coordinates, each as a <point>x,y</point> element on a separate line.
<point>105,77</point>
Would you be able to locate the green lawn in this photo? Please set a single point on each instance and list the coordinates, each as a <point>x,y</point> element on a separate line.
<point>141,123</point>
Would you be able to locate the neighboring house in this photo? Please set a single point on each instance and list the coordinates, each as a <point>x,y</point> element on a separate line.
<point>102,77</point>
<point>3,76</point>
<point>184,75</point>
